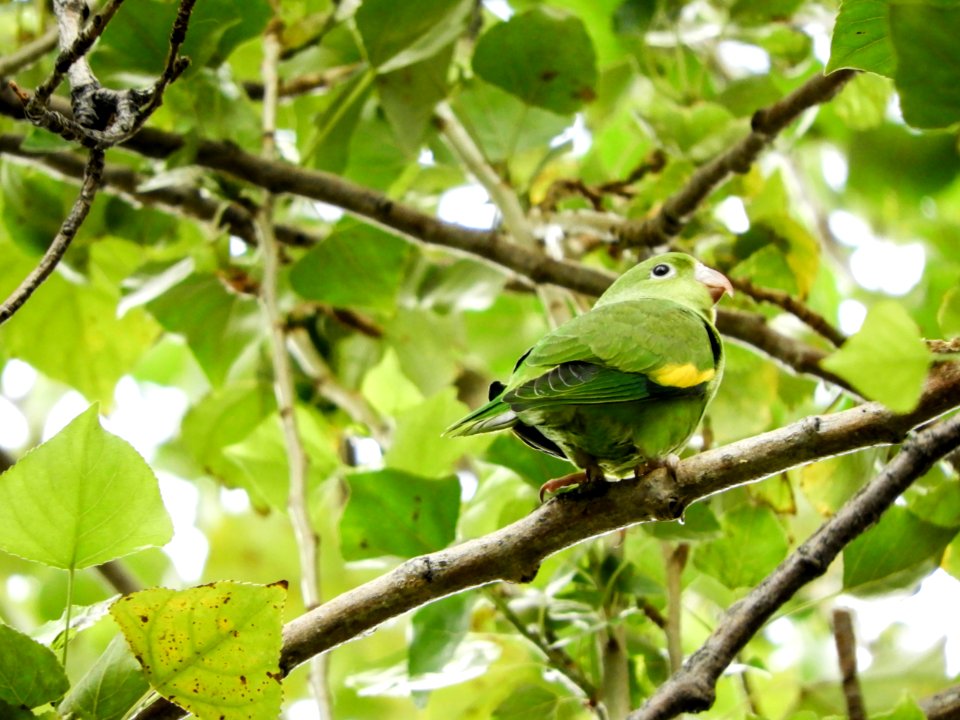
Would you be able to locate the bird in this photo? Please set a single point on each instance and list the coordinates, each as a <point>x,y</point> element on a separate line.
<point>622,387</point>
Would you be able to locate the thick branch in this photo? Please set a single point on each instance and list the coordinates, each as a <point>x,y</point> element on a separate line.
<point>57,249</point>
<point>184,199</point>
<point>514,553</point>
<point>279,177</point>
<point>766,125</point>
<point>693,689</point>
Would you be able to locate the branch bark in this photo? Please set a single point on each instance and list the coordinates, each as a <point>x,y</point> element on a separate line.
<point>62,240</point>
<point>693,689</point>
<point>846,644</point>
<point>514,553</point>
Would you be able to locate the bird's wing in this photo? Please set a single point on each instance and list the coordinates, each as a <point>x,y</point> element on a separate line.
<point>619,352</point>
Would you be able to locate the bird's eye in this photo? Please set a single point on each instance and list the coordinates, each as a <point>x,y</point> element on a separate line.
<point>661,271</point>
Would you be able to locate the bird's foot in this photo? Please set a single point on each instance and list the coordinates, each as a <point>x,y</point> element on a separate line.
<point>551,486</point>
<point>591,475</point>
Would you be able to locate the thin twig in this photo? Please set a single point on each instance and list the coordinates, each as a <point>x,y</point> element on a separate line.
<point>766,125</point>
<point>558,658</point>
<point>303,84</point>
<point>555,302</point>
<point>308,541</point>
<point>675,559</point>
<point>57,249</point>
<point>74,44</point>
<point>847,655</point>
<point>814,320</point>
<point>693,689</point>
<point>944,347</point>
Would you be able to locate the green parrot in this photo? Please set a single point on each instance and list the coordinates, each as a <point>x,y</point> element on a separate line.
<point>620,388</point>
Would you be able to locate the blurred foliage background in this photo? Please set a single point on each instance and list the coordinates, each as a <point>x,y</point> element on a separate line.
<point>590,114</point>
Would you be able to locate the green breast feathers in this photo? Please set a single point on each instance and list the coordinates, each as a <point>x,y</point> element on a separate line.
<point>623,386</point>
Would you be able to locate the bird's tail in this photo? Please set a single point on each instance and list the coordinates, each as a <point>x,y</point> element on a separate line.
<point>495,415</point>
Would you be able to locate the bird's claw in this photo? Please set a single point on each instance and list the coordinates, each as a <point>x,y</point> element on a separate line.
<point>551,486</point>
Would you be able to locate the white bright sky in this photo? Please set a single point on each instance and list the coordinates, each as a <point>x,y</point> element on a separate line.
<point>147,415</point>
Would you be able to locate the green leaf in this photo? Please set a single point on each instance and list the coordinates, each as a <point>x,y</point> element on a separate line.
<point>461,285</point>
<point>32,207</point>
<point>502,124</point>
<point>900,541</point>
<point>417,443</point>
<point>829,483</point>
<point>329,148</point>
<point>861,38</point>
<point>438,629</point>
<point>398,35</point>
<point>951,558</point>
<point>699,523</point>
<point>410,94</point>
<point>262,456</point>
<point>70,332</point>
<point>59,504</point>
<point>948,315</point>
<point>753,544</point>
<point>225,417</point>
<point>30,674</point>
<point>213,650</point>
<point>390,512</point>
<point>356,266</point>
<point>924,36</point>
<point>533,466</point>
<point>529,701</point>
<point>521,56</point>
<point>219,324</point>
<point>112,685</point>
<point>138,42</point>
<point>416,334</point>
<point>887,360</point>
<point>11,712</point>
<point>53,634</point>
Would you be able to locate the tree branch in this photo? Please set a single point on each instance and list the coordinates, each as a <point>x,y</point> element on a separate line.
<point>766,124</point>
<point>280,177</point>
<point>847,656</point>
<point>693,689</point>
<point>798,309</point>
<point>57,249</point>
<point>182,199</point>
<point>307,539</point>
<point>944,705</point>
<point>514,553</point>
<point>558,658</point>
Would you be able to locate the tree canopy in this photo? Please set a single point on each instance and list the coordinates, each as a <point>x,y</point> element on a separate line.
<point>256,255</point>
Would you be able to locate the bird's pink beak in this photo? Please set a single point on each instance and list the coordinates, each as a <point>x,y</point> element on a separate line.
<point>716,282</point>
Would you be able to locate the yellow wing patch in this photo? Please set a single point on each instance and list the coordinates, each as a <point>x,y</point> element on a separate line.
<point>681,376</point>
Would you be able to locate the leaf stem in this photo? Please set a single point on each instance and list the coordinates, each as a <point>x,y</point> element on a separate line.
<point>68,614</point>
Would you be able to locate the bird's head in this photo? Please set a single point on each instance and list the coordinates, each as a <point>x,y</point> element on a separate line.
<point>673,276</point>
